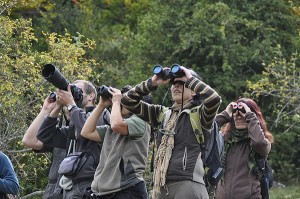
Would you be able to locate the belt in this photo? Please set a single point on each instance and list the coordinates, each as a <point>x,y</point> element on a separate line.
<point>104,196</point>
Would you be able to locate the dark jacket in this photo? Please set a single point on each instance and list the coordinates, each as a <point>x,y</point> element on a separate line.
<point>185,162</point>
<point>52,135</point>
<point>53,190</point>
<point>238,181</point>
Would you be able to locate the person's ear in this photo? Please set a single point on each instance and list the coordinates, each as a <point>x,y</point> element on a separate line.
<point>91,96</point>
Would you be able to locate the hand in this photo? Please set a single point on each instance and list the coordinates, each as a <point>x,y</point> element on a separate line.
<point>244,106</point>
<point>104,102</point>
<point>49,104</point>
<point>65,98</point>
<point>187,75</point>
<point>157,81</point>
<point>229,108</point>
<point>116,95</point>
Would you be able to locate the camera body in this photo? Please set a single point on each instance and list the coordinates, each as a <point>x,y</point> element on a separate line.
<point>174,72</point>
<point>53,75</point>
<point>103,92</point>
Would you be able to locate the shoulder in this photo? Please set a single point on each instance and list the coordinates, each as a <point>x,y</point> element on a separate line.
<point>136,125</point>
<point>4,159</point>
<point>134,119</point>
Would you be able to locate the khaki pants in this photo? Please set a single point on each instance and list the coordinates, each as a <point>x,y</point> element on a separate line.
<point>183,190</point>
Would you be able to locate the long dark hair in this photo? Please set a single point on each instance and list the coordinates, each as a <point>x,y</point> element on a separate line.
<point>255,109</point>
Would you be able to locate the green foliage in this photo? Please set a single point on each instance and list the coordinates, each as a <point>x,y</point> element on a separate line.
<point>288,192</point>
<point>223,42</point>
<point>284,158</point>
<point>227,42</point>
<point>281,80</point>
<point>23,89</point>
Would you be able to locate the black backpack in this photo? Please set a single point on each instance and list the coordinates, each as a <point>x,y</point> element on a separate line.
<point>264,170</point>
<point>212,156</point>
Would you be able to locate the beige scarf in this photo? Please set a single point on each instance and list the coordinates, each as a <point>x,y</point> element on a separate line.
<point>164,152</point>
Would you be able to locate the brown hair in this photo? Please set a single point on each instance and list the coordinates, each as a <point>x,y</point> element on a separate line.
<point>88,88</point>
<point>255,109</point>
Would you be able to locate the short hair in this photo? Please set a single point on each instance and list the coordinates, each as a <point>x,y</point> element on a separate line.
<point>88,88</point>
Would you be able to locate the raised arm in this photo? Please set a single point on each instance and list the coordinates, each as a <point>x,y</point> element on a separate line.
<point>211,101</point>
<point>118,124</point>
<point>132,100</point>
<point>89,128</point>
<point>30,138</point>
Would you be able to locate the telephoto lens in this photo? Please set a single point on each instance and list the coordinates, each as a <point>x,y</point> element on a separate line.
<point>53,75</point>
<point>103,92</point>
<point>176,71</point>
<point>161,72</point>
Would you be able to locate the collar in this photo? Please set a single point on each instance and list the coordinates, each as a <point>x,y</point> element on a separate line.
<point>89,109</point>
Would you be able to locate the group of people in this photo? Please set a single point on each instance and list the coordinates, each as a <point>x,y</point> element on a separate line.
<point>118,141</point>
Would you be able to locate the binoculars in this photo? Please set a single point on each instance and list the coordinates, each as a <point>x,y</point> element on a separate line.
<point>103,92</point>
<point>174,72</point>
<point>236,108</point>
<point>53,75</point>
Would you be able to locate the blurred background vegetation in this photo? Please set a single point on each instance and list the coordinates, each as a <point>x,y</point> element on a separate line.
<point>240,48</point>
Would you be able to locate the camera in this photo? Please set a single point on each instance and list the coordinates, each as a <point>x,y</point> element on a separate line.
<point>174,72</point>
<point>103,92</point>
<point>53,75</point>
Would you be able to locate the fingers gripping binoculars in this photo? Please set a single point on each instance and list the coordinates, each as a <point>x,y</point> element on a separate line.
<point>238,107</point>
<point>53,75</point>
<point>103,92</point>
<point>174,72</point>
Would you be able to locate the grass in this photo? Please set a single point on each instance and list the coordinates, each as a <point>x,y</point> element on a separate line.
<point>288,192</point>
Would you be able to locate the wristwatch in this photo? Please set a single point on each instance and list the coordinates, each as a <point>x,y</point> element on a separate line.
<point>71,106</point>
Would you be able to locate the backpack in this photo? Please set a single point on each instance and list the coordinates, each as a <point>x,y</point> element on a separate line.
<point>211,144</point>
<point>266,179</point>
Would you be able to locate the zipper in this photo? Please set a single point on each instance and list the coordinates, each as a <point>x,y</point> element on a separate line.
<point>184,160</point>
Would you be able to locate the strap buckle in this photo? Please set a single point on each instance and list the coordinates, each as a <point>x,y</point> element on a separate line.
<point>167,132</point>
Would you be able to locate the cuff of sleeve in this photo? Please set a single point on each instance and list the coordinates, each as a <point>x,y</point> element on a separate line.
<point>189,83</point>
<point>226,115</point>
<point>249,116</point>
<point>150,86</point>
<point>52,119</point>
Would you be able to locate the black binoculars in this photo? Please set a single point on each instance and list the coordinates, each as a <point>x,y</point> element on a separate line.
<point>174,72</point>
<point>236,108</point>
<point>53,75</point>
<point>103,92</point>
